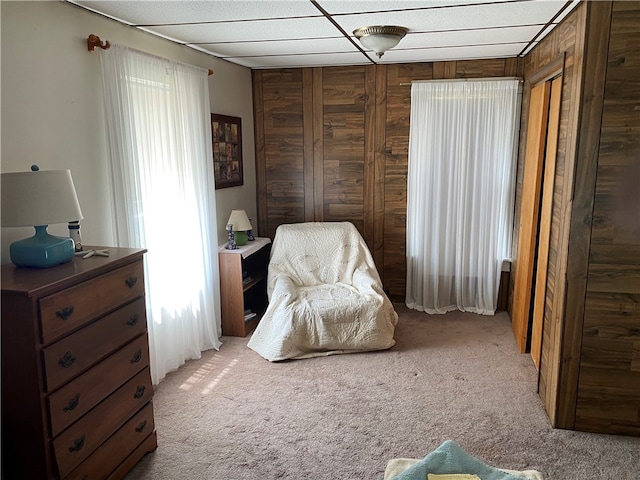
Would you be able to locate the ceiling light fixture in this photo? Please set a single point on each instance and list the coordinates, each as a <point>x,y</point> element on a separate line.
<point>380,38</point>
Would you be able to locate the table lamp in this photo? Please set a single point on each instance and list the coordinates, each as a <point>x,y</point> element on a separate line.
<point>241,225</point>
<point>38,199</point>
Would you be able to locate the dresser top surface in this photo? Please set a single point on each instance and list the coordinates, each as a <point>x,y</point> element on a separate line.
<point>30,281</point>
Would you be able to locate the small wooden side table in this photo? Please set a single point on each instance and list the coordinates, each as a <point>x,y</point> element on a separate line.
<point>243,286</point>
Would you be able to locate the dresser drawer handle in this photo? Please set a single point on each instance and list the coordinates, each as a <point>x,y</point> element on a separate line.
<point>64,313</point>
<point>139,391</point>
<point>131,281</point>
<point>78,443</point>
<point>67,360</point>
<point>136,356</point>
<point>141,426</point>
<point>132,320</point>
<point>73,403</point>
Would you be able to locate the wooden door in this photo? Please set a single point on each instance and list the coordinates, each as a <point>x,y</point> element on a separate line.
<point>528,231</point>
<point>545,221</point>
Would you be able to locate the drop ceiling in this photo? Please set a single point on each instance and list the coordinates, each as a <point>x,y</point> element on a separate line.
<point>265,34</point>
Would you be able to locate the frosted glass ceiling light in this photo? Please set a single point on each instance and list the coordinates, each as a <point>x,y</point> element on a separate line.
<point>380,38</point>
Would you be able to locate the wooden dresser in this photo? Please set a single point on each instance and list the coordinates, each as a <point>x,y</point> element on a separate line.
<point>76,384</point>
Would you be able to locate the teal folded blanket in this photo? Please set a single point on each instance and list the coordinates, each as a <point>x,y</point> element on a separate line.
<point>451,458</point>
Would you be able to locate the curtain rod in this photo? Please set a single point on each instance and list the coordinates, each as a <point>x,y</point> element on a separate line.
<point>94,41</point>
<point>485,79</point>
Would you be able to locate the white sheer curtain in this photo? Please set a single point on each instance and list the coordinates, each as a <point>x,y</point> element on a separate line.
<point>462,158</point>
<point>158,126</point>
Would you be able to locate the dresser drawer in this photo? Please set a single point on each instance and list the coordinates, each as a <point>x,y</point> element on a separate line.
<point>78,397</point>
<point>70,308</point>
<point>117,448</point>
<point>76,353</point>
<point>82,438</point>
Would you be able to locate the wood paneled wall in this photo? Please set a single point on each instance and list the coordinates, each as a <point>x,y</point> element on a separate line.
<point>589,372</point>
<point>332,145</point>
<point>562,46</point>
<point>608,397</point>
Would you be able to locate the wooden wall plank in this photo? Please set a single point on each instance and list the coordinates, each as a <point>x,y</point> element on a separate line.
<point>308,155</point>
<point>343,103</point>
<point>369,186</point>
<point>605,407</point>
<point>513,67</point>
<point>261,161</point>
<point>565,340</point>
<point>635,362</point>
<point>492,67</point>
<point>450,69</point>
<point>586,160</point>
<point>380,161</point>
<point>318,146</point>
<point>438,70</point>
<point>282,120</point>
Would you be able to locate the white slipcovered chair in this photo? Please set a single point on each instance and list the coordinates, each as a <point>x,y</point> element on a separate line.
<point>325,295</point>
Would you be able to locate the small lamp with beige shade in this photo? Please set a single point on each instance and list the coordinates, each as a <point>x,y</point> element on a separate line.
<point>38,199</point>
<point>240,225</point>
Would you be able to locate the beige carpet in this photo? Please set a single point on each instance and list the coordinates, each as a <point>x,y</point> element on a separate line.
<point>233,415</point>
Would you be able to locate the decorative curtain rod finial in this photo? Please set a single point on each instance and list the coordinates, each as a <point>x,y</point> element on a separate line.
<point>94,41</point>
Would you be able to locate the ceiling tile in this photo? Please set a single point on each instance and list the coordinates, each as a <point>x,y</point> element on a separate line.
<point>453,53</point>
<point>457,18</point>
<point>281,47</point>
<point>146,12</point>
<point>295,61</point>
<point>469,37</point>
<point>259,30</point>
<point>354,6</point>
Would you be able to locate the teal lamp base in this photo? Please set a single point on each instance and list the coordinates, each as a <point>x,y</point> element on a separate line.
<point>42,250</point>
<point>241,238</point>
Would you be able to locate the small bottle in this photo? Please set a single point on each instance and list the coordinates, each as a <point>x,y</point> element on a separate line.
<point>231,240</point>
<point>250,236</point>
<point>74,234</point>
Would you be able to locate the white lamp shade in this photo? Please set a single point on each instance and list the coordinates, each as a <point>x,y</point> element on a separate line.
<point>39,198</point>
<point>239,220</point>
<point>380,38</point>
<point>380,43</point>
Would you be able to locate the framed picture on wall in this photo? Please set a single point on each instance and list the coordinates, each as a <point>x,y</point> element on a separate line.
<point>226,134</point>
